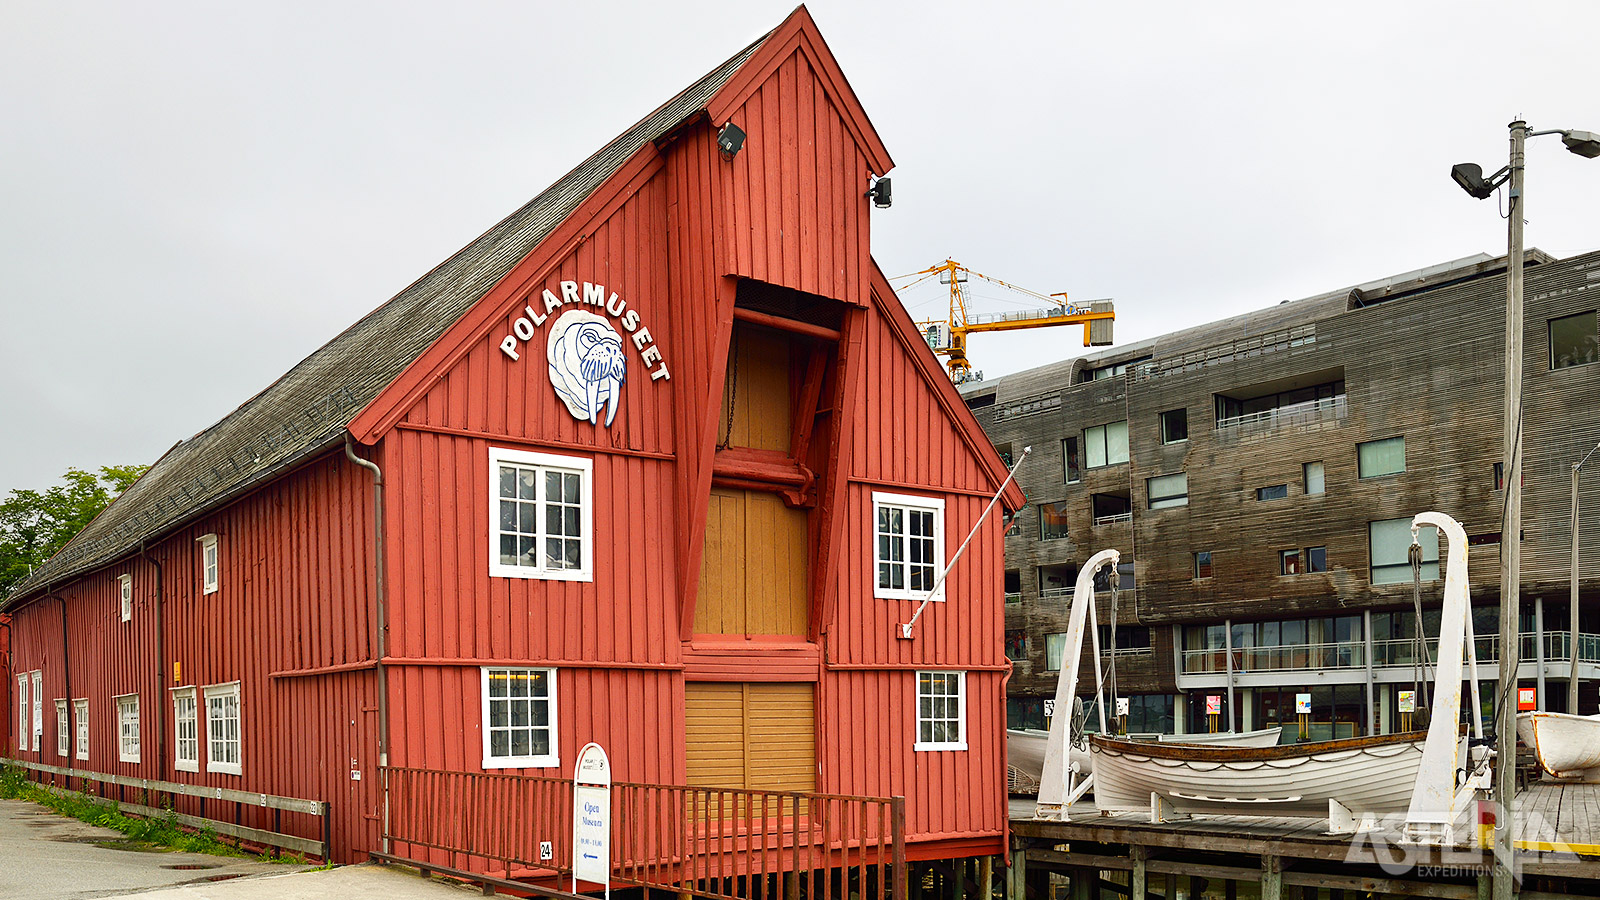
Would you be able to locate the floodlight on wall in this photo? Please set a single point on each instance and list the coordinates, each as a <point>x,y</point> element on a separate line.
<point>879,192</point>
<point>729,139</point>
<point>1470,177</point>
<point>1583,143</point>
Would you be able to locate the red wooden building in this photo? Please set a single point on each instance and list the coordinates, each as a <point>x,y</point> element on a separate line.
<point>658,461</point>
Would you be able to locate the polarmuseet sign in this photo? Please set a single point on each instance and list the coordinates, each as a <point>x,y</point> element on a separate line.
<point>584,348</point>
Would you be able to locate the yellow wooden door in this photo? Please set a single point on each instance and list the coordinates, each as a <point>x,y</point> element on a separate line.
<point>753,736</point>
<point>753,569</point>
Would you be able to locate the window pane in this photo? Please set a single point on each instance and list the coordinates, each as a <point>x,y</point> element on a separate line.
<point>1055,646</point>
<point>1317,559</point>
<point>1574,340</point>
<point>529,482</point>
<point>1094,445</point>
<point>1202,564</point>
<point>1385,457</point>
<point>1117,442</point>
<point>1390,543</point>
<point>508,481</point>
<point>1314,478</point>
<point>1272,492</point>
<point>1052,521</point>
<point>1174,426</point>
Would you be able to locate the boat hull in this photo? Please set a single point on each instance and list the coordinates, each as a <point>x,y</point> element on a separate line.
<point>1567,746</point>
<point>1263,737</point>
<point>1367,775</point>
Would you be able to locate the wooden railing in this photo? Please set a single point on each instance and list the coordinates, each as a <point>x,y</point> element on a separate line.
<point>154,799</point>
<point>710,842</point>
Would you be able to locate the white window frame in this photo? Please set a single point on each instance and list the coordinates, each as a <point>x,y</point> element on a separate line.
<point>907,503</point>
<point>531,761</point>
<point>63,729</point>
<point>22,710</point>
<point>581,466</point>
<point>80,725</point>
<point>180,762</point>
<point>960,743</point>
<point>38,710</point>
<point>234,766</point>
<point>127,708</point>
<point>125,591</point>
<point>210,564</point>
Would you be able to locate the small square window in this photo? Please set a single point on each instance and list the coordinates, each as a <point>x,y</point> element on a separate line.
<point>1574,340</point>
<point>1202,564</point>
<point>1315,481</point>
<point>1052,521</point>
<point>1377,458</point>
<point>1288,562</point>
<point>125,590</point>
<point>1016,645</point>
<point>1389,542</point>
<point>909,547</point>
<point>1272,492</point>
<point>1174,426</point>
<point>540,516</point>
<point>208,563</point>
<point>1316,559</point>
<point>519,719</point>
<point>941,711</point>
<point>1168,490</point>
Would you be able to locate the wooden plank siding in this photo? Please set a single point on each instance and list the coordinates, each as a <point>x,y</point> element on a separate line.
<point>294,591</point>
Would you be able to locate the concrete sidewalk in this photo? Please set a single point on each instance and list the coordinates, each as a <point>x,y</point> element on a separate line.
<point>46,856</point>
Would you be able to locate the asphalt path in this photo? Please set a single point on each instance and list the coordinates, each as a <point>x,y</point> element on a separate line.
<point>46,856</point>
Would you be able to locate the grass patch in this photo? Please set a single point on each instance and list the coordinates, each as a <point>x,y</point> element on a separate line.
<point>163,831</point>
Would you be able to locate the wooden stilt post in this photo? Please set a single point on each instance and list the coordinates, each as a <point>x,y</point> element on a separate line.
<point>1138,882</point>
<point>986,878</point>
<point>1271,878</point>
<point>1171,891</point>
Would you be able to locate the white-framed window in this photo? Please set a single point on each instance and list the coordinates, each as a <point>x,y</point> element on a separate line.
<point>1106,444</point>
<point>541,514</point>
<point>63,730</point>
<point>38,710</point>
<point>222,728</point>
<point>909,545</point>
<point>1390,543</point>
<point>941,711</point>
<point>22,711</point>
<point>1174,426</point>
<point>208,563</point>
<point>128,727</point>
<point>1167,491</point>
<point>125,591</point>
<point>519,719</point>
<point>185,730</point>
<point>80,714</point>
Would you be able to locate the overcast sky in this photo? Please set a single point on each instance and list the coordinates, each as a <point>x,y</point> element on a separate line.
<point>194,196</point>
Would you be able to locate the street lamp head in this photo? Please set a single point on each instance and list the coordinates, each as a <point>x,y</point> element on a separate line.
<point>1583,143</point>
<point>1470,177</point>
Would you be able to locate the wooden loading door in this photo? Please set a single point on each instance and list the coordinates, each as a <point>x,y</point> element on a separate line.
<point>755,736</point>
<point>753,570</point>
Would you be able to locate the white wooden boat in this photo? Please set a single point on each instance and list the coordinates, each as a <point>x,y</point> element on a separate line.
<point>1025,750</point>
<point>1567,746</point>
<point>1261,737</point>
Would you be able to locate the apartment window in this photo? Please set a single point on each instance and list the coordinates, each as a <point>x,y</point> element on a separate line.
<point>1174,426</point>
<point>541,516</point>
<point>1390,543</point>
<point>1288,562</point>
<point>1016,645</point>
<point>125,590</point>
<point>519,718</point>
<point>208,563</point>
<point>910,545</point>
<point>63,730</point>
<point>80,716</point>
<point>1168,490</point>
<point>1272,492</point>
<point>1316,559</point>
<point>1055,647</point>
<point>128,728</point>
<point>1074,464</point>
<point>1124,576</point>
<point>1315,481</point>
<point>1385,457</point>
<point>1574,340</point>
<point>941,711</point>
<point>1106,444</point>
<point>1052,521</point>
<point>22,711</point>
<point>1202,564</point>
<point>185,731</point>
<point>38,710</point>
<point>222,729</point>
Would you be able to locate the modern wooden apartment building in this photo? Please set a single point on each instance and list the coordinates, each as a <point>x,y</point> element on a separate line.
<point>1258,474</point>
<point>636,466</point>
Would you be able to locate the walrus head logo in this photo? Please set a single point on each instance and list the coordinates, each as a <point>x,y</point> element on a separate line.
<point>587,367</point>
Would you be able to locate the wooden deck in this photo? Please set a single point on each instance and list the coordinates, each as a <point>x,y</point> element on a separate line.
<point>1558,837</point>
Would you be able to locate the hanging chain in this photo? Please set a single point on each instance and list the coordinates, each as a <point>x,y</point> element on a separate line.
<point>732,391</point>
<point>1111,670</point>
<point>1421,661</point>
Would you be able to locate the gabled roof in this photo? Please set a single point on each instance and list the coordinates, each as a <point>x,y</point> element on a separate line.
<point>308,410</point>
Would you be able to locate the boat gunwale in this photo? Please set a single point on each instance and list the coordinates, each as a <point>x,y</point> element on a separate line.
<point>1211,753</point>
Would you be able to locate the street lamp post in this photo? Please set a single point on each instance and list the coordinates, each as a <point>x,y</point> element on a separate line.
<point>1573,643</point>
<point>1470,177</point>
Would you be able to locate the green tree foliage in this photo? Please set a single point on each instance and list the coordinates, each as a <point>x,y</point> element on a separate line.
<point>35,524</point>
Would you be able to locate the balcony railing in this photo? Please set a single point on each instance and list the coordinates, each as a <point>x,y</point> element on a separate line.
<point>1388,652</point>
<point>1113,518</point>
<point>1013,599</point>
<point>1310,412</point>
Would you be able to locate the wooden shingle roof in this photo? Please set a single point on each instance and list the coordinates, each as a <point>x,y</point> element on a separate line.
<point>308,410</point>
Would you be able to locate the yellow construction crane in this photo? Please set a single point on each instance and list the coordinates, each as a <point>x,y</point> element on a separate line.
<point>948,337</point>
